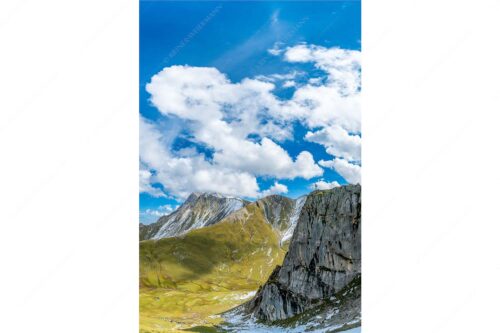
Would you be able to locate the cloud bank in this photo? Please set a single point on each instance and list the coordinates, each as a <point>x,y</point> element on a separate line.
<point>233,132</point>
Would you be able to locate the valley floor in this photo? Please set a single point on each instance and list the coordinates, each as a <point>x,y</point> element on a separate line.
<point>164,310</point>
<point>175,311</point>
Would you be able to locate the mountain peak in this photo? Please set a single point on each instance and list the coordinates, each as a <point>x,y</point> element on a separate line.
<point>193,196</point>
<point>196,195</point>
<point>200,209</point>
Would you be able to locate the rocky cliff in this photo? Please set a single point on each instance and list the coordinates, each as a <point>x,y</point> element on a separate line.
<point>293,218</point>
<point>323,258</point>
<point>282,213</point>
<point>277,210</point>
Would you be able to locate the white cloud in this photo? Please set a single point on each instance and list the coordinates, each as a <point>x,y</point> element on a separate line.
<point>265,159</point>
<point>276,49</point>
<point>152,215</point>
<point>322,185</point>
<point>244,124</point>
<point>337,100</point>
<point>161,211</point>
<point>331,107</point>
<point>343,66</point>
<point>279,77</point>
<point>191,93</point>
<point>315,81</point>
<point>349,171</point>
<point>276,188</point>
<point>181,175</point>
<point>145,184</point>
<point>204,96</point>
<point>338,142</point>
<point>221,115</point>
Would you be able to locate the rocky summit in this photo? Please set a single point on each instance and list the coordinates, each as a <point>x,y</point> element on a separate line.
<point>324,258</point>
<point>198,211</point>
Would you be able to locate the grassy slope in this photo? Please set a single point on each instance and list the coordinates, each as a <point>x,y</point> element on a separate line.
<point>186,280</point>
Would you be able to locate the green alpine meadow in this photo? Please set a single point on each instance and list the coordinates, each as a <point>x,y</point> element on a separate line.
<point>187,280</point>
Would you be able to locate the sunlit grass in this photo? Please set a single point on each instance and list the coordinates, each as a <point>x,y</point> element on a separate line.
<point>186,281</point>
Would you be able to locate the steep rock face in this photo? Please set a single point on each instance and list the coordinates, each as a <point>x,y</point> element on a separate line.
<point>277,209</point>
<point>282,213</point>
<point>324,256</point>
<point>294,217</point>
<point>198,211</point>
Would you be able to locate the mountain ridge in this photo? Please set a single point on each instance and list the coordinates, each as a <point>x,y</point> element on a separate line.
<point>298,258</point>
<point>199,210</point>
<point>202,209</point>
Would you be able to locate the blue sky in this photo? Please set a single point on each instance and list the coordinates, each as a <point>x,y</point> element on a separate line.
<point>301,49</point>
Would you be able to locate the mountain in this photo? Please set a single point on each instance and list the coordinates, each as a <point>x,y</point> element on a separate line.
<point>192,277</point>
<point>282,213</point>
<point>322,269</point>
<point>187,281</point>
<point>209,239</point>
<point>198,211</point>
<point>204,209</point>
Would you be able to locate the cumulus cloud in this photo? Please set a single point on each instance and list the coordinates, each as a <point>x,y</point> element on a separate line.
<point>276,188</point>
<point>145,184</point>
<point>334,100</point>
<point>222,115</point>
<point>265,159</point>
<point>161,211</point>
<point>323,185</point>
<point>151,215</point>
<point>338,142</point>
<point>244,124</point>
<point>181,175</point>
<point>349,171</point>
<point>343,66</point>
<point>331,106</point>
<point>204,96</point>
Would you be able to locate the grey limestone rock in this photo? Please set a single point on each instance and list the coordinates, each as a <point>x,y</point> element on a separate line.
<point>324,256</point>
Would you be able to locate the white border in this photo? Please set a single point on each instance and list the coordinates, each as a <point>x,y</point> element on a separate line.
<point>430,166</point>
<point>68,174</point>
